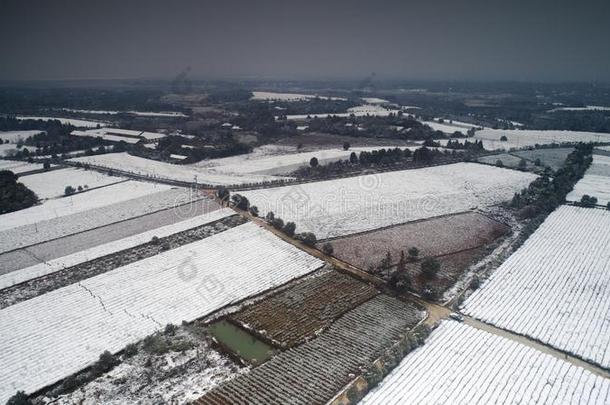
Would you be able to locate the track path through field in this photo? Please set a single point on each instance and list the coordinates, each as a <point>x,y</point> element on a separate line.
<point>436,312</point>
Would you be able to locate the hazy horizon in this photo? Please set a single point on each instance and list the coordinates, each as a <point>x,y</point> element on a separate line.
<point>549,41</point>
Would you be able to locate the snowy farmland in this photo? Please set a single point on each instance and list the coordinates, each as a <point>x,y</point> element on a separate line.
<point>345,206</point>
<point>17,136</point>
<point>122,306</point>
<point>117,135</point>
<point>521,138</point>
<point>449,127</point>
<point>459,364</point>
<point>52,184</point>
<point>113,212</point>
<point>51,266</point>
<point>19,167</point>
<point>273,96</point>
<point>555,287</point>
<point>284,161</point>
<point>595,182</point>
<point>66,121</point>
<point>160,170</point>
<point>358,111</point>
<point>78,203</point>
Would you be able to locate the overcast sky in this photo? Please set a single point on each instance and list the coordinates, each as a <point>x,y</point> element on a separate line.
<point>549,40</point>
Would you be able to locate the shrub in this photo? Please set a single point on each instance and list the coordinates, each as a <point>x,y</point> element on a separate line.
<point>223,194</point>
<point>20,398</point>
<point>106,362</point>
<point>430,268</point>
<point>254,210</point>
<point>69,190</point>
<point>588,201</point>
<point>314,162</point>
<point>155,240</point>
<point>14,196</point>
<point>522,164</point>
<point>277,223</point>
<point>537,162</point>
<point>170,329</point>
<point>270,216</point>
<point>503,138</point>
<point>413,253</point>
<point>155,344</point>
<point>46,165</point>
<point>346,145</point>
<point>499,163</point>
<point>307,238</point>
<point>130,350</point>
<point>328,249</point>
<point>289,229</point>
<point>240,202</point>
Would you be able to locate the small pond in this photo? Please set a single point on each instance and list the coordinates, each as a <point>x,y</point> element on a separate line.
<point>240,342</point>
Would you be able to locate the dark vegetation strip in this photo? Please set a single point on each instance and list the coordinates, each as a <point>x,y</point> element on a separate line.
<point>71,275</point>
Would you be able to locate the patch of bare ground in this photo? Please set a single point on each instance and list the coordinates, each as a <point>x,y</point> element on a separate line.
<point>440,236</point>
<point>304,310</point>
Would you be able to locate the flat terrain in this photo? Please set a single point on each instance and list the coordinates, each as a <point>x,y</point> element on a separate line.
<point>77,203</point>
<point>56,227</point>
<point>508,160</point>
<point>433,237</point>
<point>73,243</point>
<point>19,167</point>
<point>111,310</point>
<point>555,287</point>
<point>551,157</point>
<point>459,364</point>
<point>96,252</point>
<point>520,138</point>
<point>304,309</point>
<point>52,184</point>
<point>350,205</point>
<point>595,182</point>
<point>314,372</point>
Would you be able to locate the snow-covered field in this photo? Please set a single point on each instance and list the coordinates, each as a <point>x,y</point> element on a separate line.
<point>587,108</point>
<point>359,111</point>
<point>273,96</point>
<point>449,128</point>
<point>171,114</point>
<point>595,182</point>
<point>56,334</point>
<point>374,100</point>
<point>8,149</point>
<point>53,183</point>
<point>51,266</point>
<point>459,364</point>
<point>18,167</point>
<point>556,287</point>
<point>113,213</point>
<point>117,134</point>
<point>66,121</point>
<point>17,136</point>
<point>161,170</point>
<point>277,160</point>
<point>520,138</point>
<point>344,206</point>
<point>138,113</point>
<point>78,203</point>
